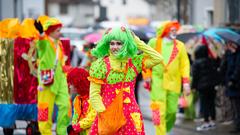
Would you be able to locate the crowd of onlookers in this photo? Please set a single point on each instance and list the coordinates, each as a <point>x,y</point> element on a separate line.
<point>217,83</point>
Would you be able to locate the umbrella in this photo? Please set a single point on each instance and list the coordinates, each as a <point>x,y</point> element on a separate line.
<point>212,32</point>
<point>230,36</point>
<point>93,37</point>
<point>143,36</point>
<point>187,36</point>
<point>186,29</point>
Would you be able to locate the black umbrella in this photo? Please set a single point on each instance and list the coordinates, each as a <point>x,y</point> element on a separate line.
<point>142,35</point>
<point>230,36</point>
<point>186,36</point>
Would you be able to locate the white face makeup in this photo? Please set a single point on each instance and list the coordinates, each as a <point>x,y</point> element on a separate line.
<point>115,46</point>
<point>173,33</point>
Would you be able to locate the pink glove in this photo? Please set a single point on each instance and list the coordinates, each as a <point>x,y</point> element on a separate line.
<point>77,128</point>
<point>156,117</point>
<point>183,102</point>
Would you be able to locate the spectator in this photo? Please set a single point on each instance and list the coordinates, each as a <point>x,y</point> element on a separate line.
<point>233,81</point>
<point>204,71</point>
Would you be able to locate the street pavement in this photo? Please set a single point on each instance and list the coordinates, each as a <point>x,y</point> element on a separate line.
<point>182,126</point>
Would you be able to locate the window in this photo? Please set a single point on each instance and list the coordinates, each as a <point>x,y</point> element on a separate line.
<point>63,8</point>
<point>124,2</point>
<point>210,17</point>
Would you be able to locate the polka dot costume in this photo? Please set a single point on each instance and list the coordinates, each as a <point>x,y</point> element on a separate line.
<point>111,87</point>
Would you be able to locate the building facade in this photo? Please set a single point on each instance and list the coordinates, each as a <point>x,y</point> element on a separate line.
<point>78,13</point>
<point>21,8</point>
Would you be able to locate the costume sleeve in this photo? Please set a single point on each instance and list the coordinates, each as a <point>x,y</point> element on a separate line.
<point>151,56</point>
<point>184,64</point>
<point>86,122</point>
<point>97,75</point>
<point>137,62</point>
<point>147,73</point>
<point>95,97</point>
<point>97,71</point>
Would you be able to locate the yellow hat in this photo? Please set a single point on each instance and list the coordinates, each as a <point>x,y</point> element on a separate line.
<point>51,22</point>
<point>43,18</point>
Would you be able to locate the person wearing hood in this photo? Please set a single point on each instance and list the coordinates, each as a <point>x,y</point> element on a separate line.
<point>52,80</point>
<point>165,80</point>
<point>204,72</point>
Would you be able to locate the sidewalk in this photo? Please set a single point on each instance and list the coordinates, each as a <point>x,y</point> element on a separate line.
<point>189,128</point>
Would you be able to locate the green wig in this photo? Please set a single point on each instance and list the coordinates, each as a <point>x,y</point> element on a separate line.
<point>128,50</point>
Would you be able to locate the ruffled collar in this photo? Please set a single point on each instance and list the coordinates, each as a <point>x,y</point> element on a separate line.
<point>114,58</point>
<point>117,64</point>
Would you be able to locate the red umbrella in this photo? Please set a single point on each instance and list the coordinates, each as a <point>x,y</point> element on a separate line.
<point>93,37</point>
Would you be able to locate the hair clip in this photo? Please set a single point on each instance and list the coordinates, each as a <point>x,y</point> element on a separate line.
<point>108,30</point>
<point>123,28</point>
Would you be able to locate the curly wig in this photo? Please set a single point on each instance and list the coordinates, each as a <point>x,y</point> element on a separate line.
<point>78,78</point>
<point>129,48</point>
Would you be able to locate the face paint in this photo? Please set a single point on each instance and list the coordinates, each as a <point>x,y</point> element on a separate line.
<point>173,33</point>
<point>115,46</point>
<point>173,36</point>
